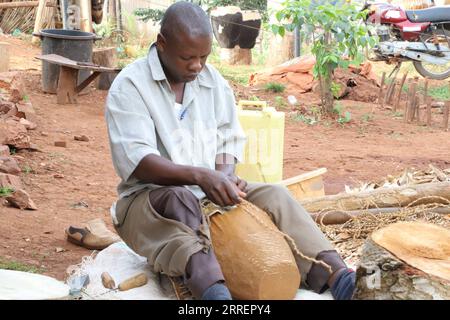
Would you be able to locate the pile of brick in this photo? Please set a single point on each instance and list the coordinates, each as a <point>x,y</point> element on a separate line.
<point>17,116</point>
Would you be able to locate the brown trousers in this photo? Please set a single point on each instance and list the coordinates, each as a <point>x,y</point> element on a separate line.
<point>167,226</point>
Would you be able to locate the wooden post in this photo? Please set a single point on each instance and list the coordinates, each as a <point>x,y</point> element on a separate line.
<point>67,83</point>
<point>86,16</point>
<point>105,57</point>
<point>425,91</point>
<point>417,107</point>
<point>112,13</point>
<point>409,109</point>
<point>4,56</point>
<point>429,111</point>
<point>380,95</point>
<point>391,93</point>
<point>446,113</point>
<point>38,20</point>
<point>400,90</point>
<point>389,90</point>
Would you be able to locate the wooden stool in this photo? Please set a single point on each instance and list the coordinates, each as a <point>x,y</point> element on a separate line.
<point>68,90</point>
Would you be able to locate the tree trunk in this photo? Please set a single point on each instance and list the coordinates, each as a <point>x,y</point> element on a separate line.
<point>382,198</point>
<point>105,57</point>
<point>236,56</point>
<point>405,261</point>
<point>328,99</point>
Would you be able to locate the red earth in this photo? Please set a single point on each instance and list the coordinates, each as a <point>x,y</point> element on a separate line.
<point>73,185</point>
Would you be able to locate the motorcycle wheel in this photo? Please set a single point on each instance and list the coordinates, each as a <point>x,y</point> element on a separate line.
<point>434,71</point>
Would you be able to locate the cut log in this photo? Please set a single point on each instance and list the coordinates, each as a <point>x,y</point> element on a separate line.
<point>4,57</point>
<point>236,56</point>
<point>382,198</point>
<point>105,57</point>
<point>339,217</point>
<point>405,261</point>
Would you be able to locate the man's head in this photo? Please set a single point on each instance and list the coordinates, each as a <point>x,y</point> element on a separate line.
<point>184,42</point>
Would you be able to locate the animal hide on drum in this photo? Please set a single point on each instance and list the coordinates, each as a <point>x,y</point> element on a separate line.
<point>256,260</point>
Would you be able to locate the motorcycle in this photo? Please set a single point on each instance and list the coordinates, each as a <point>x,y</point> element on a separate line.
<point>419,36</point>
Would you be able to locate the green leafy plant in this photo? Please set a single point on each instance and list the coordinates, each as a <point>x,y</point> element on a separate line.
<point>367,117</point>
<point>309,120</point>
<point>339,36</point>
<point>146,14</point>
<point>275,87</point>
<point>280,102</point>
<point>335,89</point>
<point>27,170</point>
<point>5,191</point>
<point>343,116</point>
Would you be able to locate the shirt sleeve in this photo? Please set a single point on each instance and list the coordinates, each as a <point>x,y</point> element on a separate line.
<point>230,135</point>
<point>131,130</point>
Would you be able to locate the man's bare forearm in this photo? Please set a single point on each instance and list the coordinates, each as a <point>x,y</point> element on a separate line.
<point>158,170</point>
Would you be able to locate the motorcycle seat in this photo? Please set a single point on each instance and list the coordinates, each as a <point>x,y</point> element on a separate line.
<point>434,14</point>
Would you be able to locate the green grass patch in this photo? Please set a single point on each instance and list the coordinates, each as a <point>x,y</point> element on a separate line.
<point>18,266</point>
<point>275,87</point>
<point>5,191</point>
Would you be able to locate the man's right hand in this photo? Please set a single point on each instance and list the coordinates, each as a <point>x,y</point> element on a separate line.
<point>219,188</point>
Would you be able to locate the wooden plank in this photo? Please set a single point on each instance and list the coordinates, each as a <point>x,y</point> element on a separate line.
<point>38,20</point>
<point>86,82</point>
<point>63,61</point>
<point>306,185</point>
<point>22,4</point>
<point>66,92</point>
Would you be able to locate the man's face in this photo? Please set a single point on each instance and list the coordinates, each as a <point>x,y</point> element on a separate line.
<point>183,57</point>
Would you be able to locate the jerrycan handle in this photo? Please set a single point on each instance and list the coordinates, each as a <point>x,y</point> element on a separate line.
<point>243,103</point>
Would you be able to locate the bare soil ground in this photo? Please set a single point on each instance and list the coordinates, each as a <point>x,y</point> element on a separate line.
<point>368,148</point>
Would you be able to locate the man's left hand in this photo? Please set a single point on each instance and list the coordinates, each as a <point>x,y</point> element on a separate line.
<point>241,183</point>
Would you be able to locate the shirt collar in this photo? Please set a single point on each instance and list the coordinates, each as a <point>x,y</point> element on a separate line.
<point>203,79</point>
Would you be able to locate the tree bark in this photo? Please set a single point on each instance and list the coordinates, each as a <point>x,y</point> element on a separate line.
<point>340,217</point>
<point>405,261</point>
<point>382,198</point>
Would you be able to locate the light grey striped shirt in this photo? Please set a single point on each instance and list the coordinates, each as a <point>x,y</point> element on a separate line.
<point>141,120</point>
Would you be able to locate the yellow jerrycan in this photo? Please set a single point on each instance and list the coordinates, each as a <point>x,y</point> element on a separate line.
<point>263,154</point>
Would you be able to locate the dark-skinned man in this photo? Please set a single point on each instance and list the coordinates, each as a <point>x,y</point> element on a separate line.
<point>175,139</point>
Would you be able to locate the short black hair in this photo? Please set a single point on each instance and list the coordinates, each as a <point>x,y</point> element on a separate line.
<point>185,17</point>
